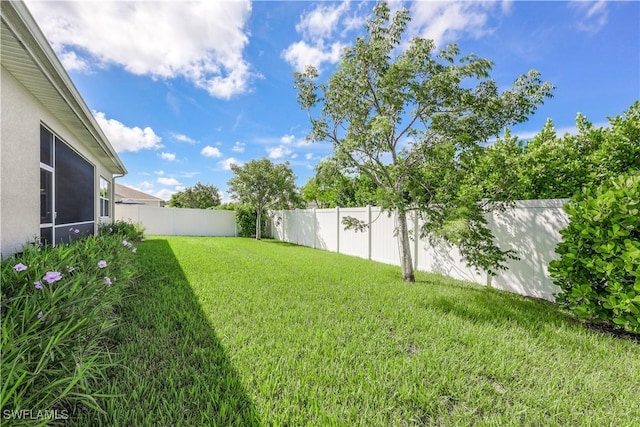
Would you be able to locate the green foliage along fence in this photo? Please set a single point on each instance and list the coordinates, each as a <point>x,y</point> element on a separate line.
<point>599,266</point>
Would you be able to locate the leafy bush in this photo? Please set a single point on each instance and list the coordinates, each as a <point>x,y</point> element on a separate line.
<point>246,221</point>
<point>599,266</point>
<point>58,305</point>
<point>245,218</point>
<point>127,230</point>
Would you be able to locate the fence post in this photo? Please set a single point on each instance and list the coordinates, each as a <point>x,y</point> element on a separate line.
<point>284,228</point>
<point>315,231</point>
<point>369,231</point>
<point>416,240</point>
<point>338,229</point>
<point>491,227</point>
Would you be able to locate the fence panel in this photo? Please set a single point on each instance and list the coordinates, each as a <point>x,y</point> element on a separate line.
<point>532,230</point>
<point>326,230</point>
<point>353,242</point>
<point>178,221</point>
<point>384,245</point>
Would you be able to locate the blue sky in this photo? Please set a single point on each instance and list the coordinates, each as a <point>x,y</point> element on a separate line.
<point>184,89</point>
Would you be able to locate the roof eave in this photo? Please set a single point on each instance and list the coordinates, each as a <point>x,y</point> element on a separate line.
<point>38,48</point>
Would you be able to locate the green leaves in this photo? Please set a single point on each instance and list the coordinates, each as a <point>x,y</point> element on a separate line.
<point>599,265</point>
<point>553,166</point>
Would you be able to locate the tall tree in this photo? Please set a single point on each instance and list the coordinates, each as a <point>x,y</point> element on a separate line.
<point>263,185</point>
<point>200,196</point>
<point>400,115</point>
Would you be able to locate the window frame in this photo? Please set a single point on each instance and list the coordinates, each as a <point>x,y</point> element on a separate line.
<point>104,197</point>
<point>55,232</point>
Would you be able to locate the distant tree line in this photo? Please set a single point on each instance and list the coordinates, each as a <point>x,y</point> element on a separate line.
<point>547,166</point>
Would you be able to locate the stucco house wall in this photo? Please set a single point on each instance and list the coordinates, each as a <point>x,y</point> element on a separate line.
<point>19,158</point>
<point>23,112</point>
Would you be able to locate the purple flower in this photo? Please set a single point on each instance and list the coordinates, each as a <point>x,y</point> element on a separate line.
<point>127,244</point>
<point>20,267</point>
<point>107,281</point>
<point>52,276</point>
<point>38,285</point>
<point>76,231</point>
<point>40,314</point>
<point>102,264</point>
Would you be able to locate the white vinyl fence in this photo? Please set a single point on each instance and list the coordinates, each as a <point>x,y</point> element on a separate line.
<point>179,221</point>
<point>531,229</point>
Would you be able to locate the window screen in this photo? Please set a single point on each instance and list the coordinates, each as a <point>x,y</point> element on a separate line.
<point>74,184</point>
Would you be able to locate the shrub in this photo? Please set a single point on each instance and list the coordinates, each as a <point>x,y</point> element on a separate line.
<point>126,230</point>
<point>599,265</point>
<point>58,305</point>
<point>246,220</point>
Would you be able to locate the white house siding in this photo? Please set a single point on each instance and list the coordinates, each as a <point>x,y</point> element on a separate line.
<point>22,116</point>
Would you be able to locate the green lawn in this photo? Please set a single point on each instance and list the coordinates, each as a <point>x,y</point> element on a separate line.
<point>231,331</point>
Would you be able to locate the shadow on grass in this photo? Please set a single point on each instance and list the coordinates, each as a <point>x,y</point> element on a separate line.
<point>280,243</point>
<point>175,370</point>
<point>482,304</point>
<point>498,307</point>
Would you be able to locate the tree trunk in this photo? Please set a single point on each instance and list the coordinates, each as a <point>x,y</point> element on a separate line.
<point>404,246</point>
<point>258,222</point>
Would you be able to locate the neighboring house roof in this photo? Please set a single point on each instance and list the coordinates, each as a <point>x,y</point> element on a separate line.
<point>128,195</point>
<point>28,56</point>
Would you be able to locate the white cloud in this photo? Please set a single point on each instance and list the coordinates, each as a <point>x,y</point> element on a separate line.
<point>322,21</point>
<point>304,142</point>
<point>593,15</point>
<point>446,22</point>
<point>168,181</point>
<point>278,152</point>
<point>201,41</point>
<point>225,197</point>
<point>238,147</point>
<point>210,151</point>
<point>160,172</point>
<point>318,44</point>
<point>189,174</point>
<point>165,194</point>
<point>124,138</point>
<point>308,156</point>
<point>183,138</point>
<point>226,164</point>
<point>287,139</point>
<point>72,62</point>
<point>168,156</point>
<point>301,54</point>
<point>146,185</point>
